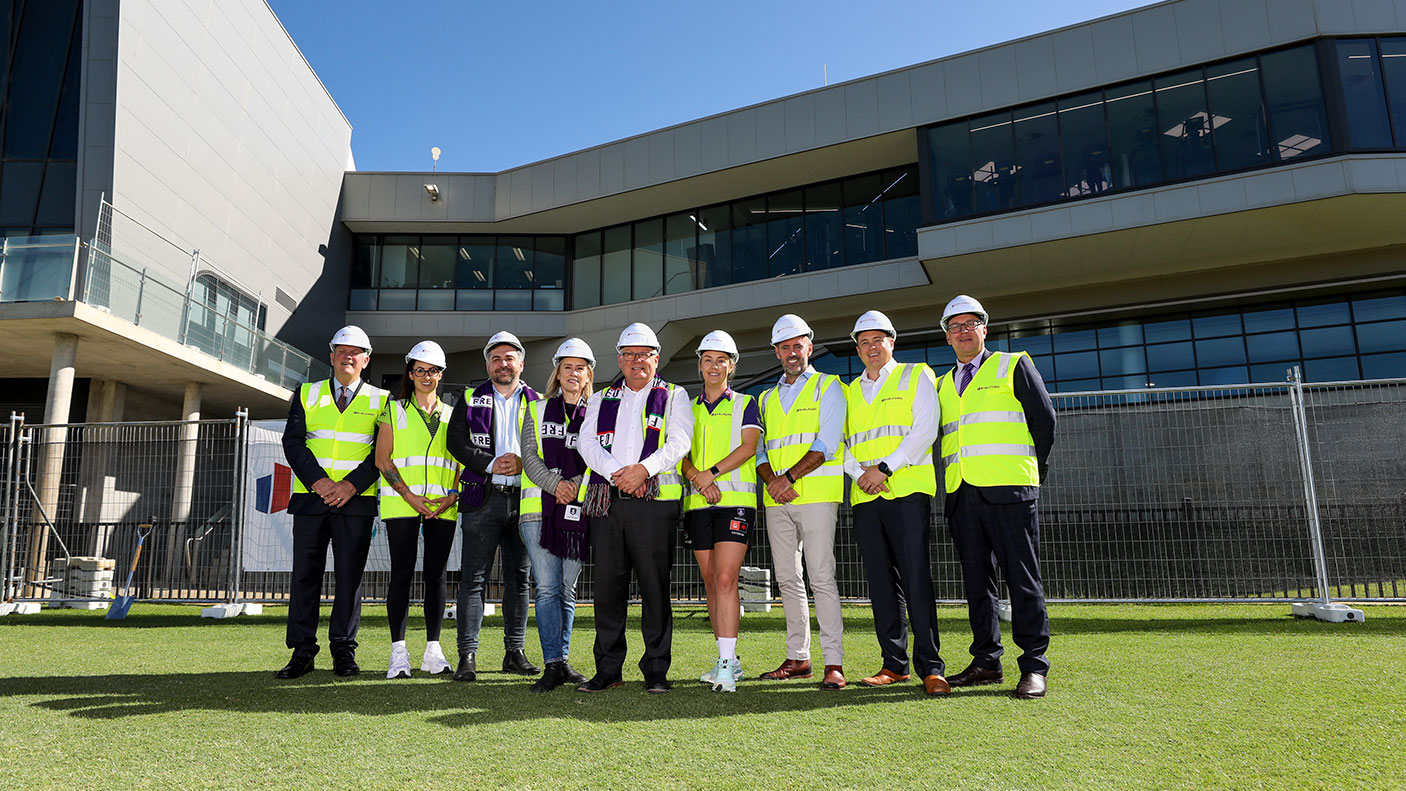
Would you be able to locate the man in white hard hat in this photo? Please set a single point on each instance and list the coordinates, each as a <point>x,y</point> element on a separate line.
<point>890,428</point>
<point>329,441</point>
<point>998,427</point>
<point>634,435</point>
<point>485,436</point>
<point>801,461</point>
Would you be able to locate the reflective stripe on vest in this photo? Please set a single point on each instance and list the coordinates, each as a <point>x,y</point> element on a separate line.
<point>423,461</point>
<point>530,501</point>
<point>790,435</point>
<point>875,429</point>
<point>985,439</point>
<point>717,434</point>
<point>340,441</point>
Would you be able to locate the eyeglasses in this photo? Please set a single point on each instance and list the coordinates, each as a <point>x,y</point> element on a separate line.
<point>630,357</point>
<point>966,326</point>
<point>426,371</point>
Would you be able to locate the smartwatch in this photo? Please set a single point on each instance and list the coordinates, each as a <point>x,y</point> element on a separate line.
<point>884,468</point>
<point>714,470</point>
<point>790,477</point>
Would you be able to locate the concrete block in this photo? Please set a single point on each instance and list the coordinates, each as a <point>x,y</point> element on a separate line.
<point>26,608</point>
<point>6,608</point>
<point>222,611</point>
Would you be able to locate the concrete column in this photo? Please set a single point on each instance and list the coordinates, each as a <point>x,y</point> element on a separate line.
<point>184,495</point>
<point>51,442</point>
<point>96,476</point>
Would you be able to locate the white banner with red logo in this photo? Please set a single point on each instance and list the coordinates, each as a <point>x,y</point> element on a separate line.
<point>268,527</point>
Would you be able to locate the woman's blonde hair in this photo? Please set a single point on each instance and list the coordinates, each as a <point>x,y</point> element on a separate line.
<point>554,379</point>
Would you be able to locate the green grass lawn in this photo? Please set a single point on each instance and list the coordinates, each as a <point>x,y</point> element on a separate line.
<point>1140,697</point>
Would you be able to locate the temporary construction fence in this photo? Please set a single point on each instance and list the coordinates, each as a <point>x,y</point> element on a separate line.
<point>1262,492</point>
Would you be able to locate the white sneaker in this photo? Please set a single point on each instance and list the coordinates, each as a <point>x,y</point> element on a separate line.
<point>434,662</point>
<point>400,662</point>
<point>723,680</point>
<point>712,674</point>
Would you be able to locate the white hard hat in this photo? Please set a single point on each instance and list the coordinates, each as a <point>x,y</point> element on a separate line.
<point>788,327</point>
<point>962,304</point>
<point>501,338</point>
<point>637,334</point>
<point>574,347</point>
<point>873,320</point>
<point>350,335</point>
<point>427,352</point>
<point>719,341</point>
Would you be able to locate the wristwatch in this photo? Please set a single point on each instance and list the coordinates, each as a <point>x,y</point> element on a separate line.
<point>884,468</point>
<point>714,470</point>
<point>790,477</point>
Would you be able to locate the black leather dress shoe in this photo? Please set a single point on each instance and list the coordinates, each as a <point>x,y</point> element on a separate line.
<point>1031,686</point>
<point>599,683</point>
<point>297,667</point>
<point>345,665</point>
<point>551,678</point>
<point>467,670</point>
<point>657,684</point>
<point>975,676</point>
<point>570,675</point>
<point>515,661</point>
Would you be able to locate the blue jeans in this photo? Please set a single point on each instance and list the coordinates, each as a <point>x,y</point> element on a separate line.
<point>556,594</point>
<point>486,529</point>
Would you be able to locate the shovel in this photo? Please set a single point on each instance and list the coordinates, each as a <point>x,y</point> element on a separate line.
<point>123,603</point>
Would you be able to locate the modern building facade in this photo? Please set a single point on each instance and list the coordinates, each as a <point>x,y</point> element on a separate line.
<point>1194,192</point>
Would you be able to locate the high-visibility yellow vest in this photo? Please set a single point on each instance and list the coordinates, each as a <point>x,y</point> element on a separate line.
<point>531,502</point>
<point>423,462</point>
<point>670,480</point>
<point>873,430</point>
<point>715,435</point>
<point>985,439</point>
<point>789,436</point>
<point>339,440</point>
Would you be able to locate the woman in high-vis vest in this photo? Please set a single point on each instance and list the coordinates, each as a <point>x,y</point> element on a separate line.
<point>418,477</point>
<point>551,519</point>
<point>720,507</point>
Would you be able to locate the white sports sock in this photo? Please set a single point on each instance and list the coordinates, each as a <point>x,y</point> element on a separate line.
<point>398,644</point>
<point>727,647</point>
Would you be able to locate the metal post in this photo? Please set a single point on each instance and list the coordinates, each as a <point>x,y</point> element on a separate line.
<point>8,533</point>
<point>1322,609</point>
<point>236,522</point>
<point>141,289</point>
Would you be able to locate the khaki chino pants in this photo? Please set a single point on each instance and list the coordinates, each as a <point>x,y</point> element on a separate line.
<point>809,529</point>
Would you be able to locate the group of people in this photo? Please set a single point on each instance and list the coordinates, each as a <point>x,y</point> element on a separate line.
<point>545,481</point>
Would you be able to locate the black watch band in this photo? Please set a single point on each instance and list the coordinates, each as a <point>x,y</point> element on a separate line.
<point>884,468</point>
<point>714,470</point>
<point>790,477</point>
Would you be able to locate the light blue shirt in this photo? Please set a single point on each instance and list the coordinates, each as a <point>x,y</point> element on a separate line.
<point>832,414</point>
<point>505,431</point>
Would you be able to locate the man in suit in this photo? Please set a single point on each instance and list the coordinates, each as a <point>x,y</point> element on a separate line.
<point>329,441</point>
<point>998,426</point>
<point>485,436</point>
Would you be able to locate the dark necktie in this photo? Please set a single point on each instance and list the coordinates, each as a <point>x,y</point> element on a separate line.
<point>341,399</point>
<point>965,379</point>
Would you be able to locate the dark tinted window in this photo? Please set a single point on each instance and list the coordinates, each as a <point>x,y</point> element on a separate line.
<point>824,226</point>
<point>1037,154</point>
<point>615,265</point>
<point>1293,94</point>
<point>1363,100</point>
<point>749,251</point>
<point>1237,118</point>
<point>585,271</point>
<point>864,219</point>
<point>680,253</point>
<point>1394,75</point>
<point>649,259</point>
<point>949,163</point>
<point>903,212</point>
<point>993,163</point>
<point>785,233</point>
<point>1084,142</point>
<point>476,254</point>
<point>36,76</point>
<point>1184,125</point>
<point>1132,135</point>
<point>400,266</point>
<point>715,245</point>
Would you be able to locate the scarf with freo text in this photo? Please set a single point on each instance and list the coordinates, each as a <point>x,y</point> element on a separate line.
<point>480,418</point>
<point>598,492</point>
<point>557,438</point>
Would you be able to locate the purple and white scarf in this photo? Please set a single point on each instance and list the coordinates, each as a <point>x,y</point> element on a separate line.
<point>563,537</point>
<point>480,419</point>
<point>598,492</point>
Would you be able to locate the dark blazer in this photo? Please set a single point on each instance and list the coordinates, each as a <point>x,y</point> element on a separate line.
<point>304,465</point>
<point>460,444</point>
<point>1039,417</point>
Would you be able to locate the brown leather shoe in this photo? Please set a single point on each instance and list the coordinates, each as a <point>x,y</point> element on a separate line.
<point>1031,686</point>
<point>936,686</point>
<point>834,677</point>
<point>883,678</point>
<point>791,668</point>
<point>975,676</point>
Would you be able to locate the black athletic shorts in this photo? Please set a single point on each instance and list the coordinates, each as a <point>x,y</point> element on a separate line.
<point>713,525</point>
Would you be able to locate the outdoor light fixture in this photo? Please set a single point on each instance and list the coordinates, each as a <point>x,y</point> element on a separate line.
<point>433,191</point>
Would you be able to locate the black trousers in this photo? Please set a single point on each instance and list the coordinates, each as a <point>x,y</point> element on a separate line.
<point>638,535</point>
<point>350,537</point>
<point>893,538</point>
<point>403,538</point>
<point>988,535</point>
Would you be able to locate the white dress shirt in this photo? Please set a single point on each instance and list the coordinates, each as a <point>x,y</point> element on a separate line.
<point>505,431</point>
<point>832,415</point>
<point>629,433</point>
<point>918,442</point>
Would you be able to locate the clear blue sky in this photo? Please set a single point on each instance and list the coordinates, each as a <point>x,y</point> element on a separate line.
<point>501,84</point>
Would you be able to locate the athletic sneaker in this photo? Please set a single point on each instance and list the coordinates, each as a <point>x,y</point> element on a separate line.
<point>724,680</point>
<point>400,662</point>
<point>712,674</point>
<point>434,662</point>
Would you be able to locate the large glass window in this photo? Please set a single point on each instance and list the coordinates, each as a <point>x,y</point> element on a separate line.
<point>785,233</point>
<point>476,254</point>
<point>1293,94</point>
<point>749,251</point>
<point>1084,144</point>
<point>864,220</point>
<point>585,271</point>
<point>949,169</point>
<point>993,165</point>
<point>1394,77</point>
<point>1237,117</point>
<point>649,258</point>
<point>1363,100</point>
<point>1132,135</point>
<point>615,265</point>
<point>19,192</point>
<point>715,245</point>
<point>824,226</point>
<point>400,262</point>
<point>1185,125</point>
<point>37,75</point>
<point>438,261</point>
<point>680,253</point>
<point>548,262</point>
<point>1037,154</point>
<point>513,263</point>
<point>903,212</point>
